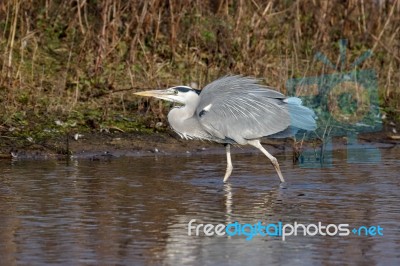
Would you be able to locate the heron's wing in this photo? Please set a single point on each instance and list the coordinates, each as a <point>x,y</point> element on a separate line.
<point>238,108</point>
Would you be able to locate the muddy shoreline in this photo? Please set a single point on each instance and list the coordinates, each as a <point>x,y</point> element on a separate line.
<point>100,146</point>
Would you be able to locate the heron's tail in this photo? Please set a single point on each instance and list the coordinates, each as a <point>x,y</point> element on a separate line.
<point>301,117</point>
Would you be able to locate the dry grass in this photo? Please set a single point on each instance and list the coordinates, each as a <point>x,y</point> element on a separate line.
<point>79,60</point>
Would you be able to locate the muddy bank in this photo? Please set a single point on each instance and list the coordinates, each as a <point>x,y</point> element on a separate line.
<point>107,145</point>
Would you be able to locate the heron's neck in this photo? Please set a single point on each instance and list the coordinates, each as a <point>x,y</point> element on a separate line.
<point>184,122</point>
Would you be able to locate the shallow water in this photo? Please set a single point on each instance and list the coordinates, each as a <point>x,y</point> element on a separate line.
<point>136,210</point>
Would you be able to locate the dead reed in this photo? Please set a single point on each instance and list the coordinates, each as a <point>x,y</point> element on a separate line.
<point>79,60</point>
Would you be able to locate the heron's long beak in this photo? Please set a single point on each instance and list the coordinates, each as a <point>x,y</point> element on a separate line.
<point>160,94</point>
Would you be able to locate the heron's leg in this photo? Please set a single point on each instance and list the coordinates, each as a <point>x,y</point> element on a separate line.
<point>256,143</point>
<point>229,166</point>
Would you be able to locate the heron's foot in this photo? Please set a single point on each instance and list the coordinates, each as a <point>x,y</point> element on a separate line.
<point>256,143</point>
<point>228,173</point>
<point>283,185</point>
<point>275,163</point>
<point>280,174</point>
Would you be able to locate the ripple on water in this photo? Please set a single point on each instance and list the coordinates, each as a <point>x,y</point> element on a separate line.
<point>136,210</point>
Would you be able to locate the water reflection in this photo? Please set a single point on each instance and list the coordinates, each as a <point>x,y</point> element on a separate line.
<point>136,210</point>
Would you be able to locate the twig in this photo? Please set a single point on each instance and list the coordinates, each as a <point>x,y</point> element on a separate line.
<point>384,26</point>
<point>79,6</point>
<point>385,47</point>
<point>12,38</point>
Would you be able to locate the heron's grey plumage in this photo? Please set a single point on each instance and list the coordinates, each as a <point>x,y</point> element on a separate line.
<point>236,110</point>
<point>242,110</point>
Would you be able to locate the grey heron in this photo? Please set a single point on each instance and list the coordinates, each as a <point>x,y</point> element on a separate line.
<point>235,110</point>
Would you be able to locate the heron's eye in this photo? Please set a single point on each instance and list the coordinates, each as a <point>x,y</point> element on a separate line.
<point>175,92</point>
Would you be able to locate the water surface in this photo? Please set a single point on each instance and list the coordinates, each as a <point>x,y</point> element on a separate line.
<point>135,210</point>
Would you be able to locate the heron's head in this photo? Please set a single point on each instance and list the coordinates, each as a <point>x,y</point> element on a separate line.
<point>178,94</point>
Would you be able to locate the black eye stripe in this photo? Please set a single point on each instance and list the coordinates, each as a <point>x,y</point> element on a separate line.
<point>186,89</point>
<point>182,89</point>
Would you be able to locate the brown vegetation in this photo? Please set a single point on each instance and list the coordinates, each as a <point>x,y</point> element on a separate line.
<point>78,61</point>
